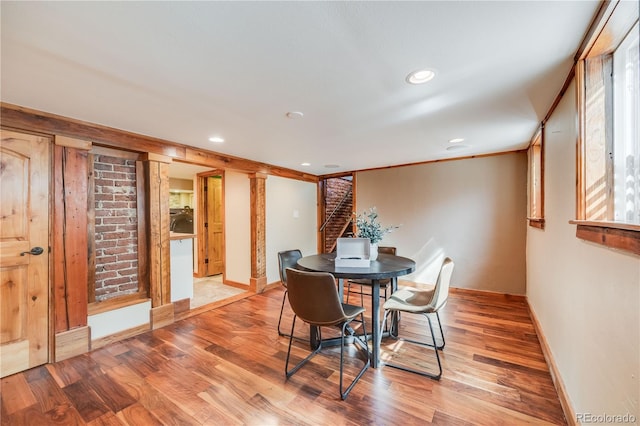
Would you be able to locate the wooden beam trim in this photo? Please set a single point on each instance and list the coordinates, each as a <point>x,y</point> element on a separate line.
<point>150,156</point>
<point>73,143</point>
<point>26,119</point>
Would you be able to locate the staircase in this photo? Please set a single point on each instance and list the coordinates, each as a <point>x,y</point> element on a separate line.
<point>338,212</point>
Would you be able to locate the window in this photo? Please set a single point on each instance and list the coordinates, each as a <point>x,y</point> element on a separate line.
<point>536,181</point>
<point>626,138</point>
<point>608,190</point>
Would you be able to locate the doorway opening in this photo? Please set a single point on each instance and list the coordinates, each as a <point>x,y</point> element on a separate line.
<point>201,201</point>
<point>337,212</point>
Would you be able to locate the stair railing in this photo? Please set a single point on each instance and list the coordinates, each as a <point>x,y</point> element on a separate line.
<point>344,197</point>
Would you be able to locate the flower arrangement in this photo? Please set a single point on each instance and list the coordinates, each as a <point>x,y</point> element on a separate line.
<point>369,227</point>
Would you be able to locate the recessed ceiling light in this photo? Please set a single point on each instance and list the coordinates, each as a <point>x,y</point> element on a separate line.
<point>457,147</point>
<point>294,115</point>
<point>216,139</point>
<point>420,76</point>
<point>305,164</point>
<point>456,140</point>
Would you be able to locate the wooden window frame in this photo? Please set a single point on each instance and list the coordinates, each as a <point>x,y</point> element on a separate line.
<point>536,180</point>
<point>612,25</point>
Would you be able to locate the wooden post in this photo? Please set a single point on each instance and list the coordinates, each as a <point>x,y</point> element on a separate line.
<point>258,280</point>
<point>70,247</point>
<point>158,222</point>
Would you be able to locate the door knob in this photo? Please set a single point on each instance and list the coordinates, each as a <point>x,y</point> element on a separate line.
<point>34,251</point>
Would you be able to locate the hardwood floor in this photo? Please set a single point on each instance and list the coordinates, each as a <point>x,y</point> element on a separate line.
<point>226,366</point>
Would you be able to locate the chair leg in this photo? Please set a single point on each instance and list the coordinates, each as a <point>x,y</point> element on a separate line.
<point>392,327</point>
<point>284,297</point>
<point>441,332</point>
<point>281,333</point>
<point>288,372</point>
<point>345,393</point>
<point>434,346</point>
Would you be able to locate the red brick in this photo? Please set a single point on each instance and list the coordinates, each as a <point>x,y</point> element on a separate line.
<point>103,182</point>
<point>102,166</point>
<point>101,276</point>
<point>116,281</point>
<point>115,220</point>
<point>126,272</point>
<point>105,228</point>
<point>103,260</point>
<point>110,160</point>
<point>128,256</point>
<point>117,235</point>
<point>128,286</point>
<point>106,244</point>
<point>126,197</point>
<point>120,250</point>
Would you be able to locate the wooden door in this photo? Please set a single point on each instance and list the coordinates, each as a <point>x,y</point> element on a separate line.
<point>24,227</point>
<point>214,226</point>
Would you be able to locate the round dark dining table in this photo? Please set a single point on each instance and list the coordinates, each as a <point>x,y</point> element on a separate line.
<point>385,266</point>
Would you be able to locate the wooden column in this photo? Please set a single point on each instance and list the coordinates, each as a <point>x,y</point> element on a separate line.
<point>157,227</point>
<point>258,280</point>
<point>70,246</point>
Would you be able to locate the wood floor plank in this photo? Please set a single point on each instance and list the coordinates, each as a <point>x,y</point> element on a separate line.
<point>88,403</point>
<point>226,367</point>
<point>15,394</point>
<point>107,419</point>
<point>136,414</point>
<point>45,389</point>
<point>110,391</point>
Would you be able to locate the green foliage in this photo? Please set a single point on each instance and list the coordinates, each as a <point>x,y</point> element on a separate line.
<point>369,227</point>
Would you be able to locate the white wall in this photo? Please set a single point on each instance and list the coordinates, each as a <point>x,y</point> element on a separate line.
<point>118,320</point>
<point>473,210</point>
<point>586,296</point>
<point>291,220</point>
<point>237,226</point>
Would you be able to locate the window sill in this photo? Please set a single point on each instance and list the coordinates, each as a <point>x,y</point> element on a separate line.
<point>536,222</point>
<point>117,303</point>
<point>622,236</point>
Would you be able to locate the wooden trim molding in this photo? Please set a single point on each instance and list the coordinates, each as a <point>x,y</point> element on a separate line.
<point>26,119</point>
<point>620,236</point>
<point>180,306</point>
<point>72,342</point>
<point>72,143</point>
<point>161,316</point>
<point>535,222</point>
<point>563,395</point>
<point>117,303</point>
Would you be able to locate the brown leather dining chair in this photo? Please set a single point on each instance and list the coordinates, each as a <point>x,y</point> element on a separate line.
<point>384,283</point>
<point>286,259</point>
<point>420,299</point>
<point>314,298</point>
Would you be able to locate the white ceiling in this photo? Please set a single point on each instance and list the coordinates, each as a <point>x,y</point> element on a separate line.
<point>185,71</point>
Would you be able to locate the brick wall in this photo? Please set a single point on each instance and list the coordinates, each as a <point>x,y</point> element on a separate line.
<point>336,189</point>
<point>116,238</point>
